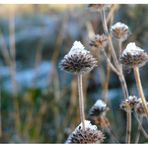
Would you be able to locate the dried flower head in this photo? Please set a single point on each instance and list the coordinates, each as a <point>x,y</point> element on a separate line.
<point>90,135</point>
<point>133,56</point>
<point>139,108</point>
<point>99,41</point>
<point>99,7</point>
<point>120,31</point>
<point>78,60</point>
<point>129,103</point>
<point>98,109</point>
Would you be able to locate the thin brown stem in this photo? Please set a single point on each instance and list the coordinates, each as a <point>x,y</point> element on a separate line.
<point>13,67</point>
<point>115,60</point>
<point>138,131</point>
<point>0,116</point>
<point>140,125</point>
<point>140,89</point>
<point>109,62</point>
<point>81,100</point>
<point>129,126</point>
<point>120,47</point>
<point>120,75</point>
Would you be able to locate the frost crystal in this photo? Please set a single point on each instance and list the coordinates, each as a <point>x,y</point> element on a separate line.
<point>77,47</point>
<point>119,25</point>
<point>100,104</point>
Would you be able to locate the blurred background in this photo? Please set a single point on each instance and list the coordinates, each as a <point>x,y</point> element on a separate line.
<point>38,101</point>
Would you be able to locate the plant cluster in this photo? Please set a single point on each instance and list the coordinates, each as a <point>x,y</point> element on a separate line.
<point>79,61</point>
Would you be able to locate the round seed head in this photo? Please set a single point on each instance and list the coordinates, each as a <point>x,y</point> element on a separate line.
<point>90,135</point>
<point>129,104</point>
<point>133,56</point>
<point>78,60</point>
<point>120,31</point>
<point>99,41</point>
<point>99,7</point>
<point>98,109</point>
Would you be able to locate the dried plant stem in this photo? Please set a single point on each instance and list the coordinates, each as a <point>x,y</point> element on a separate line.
<point>0,116</point>
<point>81,100</point>
<point>109,62</point>
<point>113,138</point>
<point>116,62</point>
<point>140,89</point>
<point>13,67</point>
<point>140,126</point>
<point>120,74</point>
<point>120,47</point>
<point>129,127</point>
<point>138,132</point>
<point>106,83</point>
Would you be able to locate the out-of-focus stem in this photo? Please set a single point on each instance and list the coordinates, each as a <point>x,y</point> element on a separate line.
<point>140,126</point>
<point>140,89</point>
<point>13,67</point>
<point>81,100</point>
<point>0,116</point>
<point>128,129</point>
<point>109,62</point>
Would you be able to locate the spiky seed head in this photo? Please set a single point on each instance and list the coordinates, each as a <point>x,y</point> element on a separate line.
<point>129,103</point>
<point>133,56</point>
<point>139,108</point>
<point>99,7</point>
<point>78,60</point>
<point>90,135</point>
<point>120,31</point>
<point>99,41</point>
<point>98,109</point>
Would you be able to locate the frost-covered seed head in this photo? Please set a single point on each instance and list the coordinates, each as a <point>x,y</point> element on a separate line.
<point>120,31</point>
<point>133,56</point>
<point>78,60</point>
<point>99,7</point>
<point>139,108</point>
<point>129,103</point>
<point>99,41</point>
<point>98,109</point>
<point>90,135</point>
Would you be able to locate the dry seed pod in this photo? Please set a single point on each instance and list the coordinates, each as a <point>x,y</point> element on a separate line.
<point>129,104</point>
<point>99,41</point>
<point>90,135</point>
<point>120,31</point>
<point>140,109</point>
<point>98,109</point>
<point>97,114</point>
<point>78,60</point>
<point>133,56</point>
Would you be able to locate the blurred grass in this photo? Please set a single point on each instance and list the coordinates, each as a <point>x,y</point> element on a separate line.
<point>48,114</point>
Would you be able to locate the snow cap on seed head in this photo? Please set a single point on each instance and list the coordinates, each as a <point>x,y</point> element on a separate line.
<point>133,56</point>
<point>120,31</point>
<point>88,135</point>
<point>78,60</point>
<point>98,109</point>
